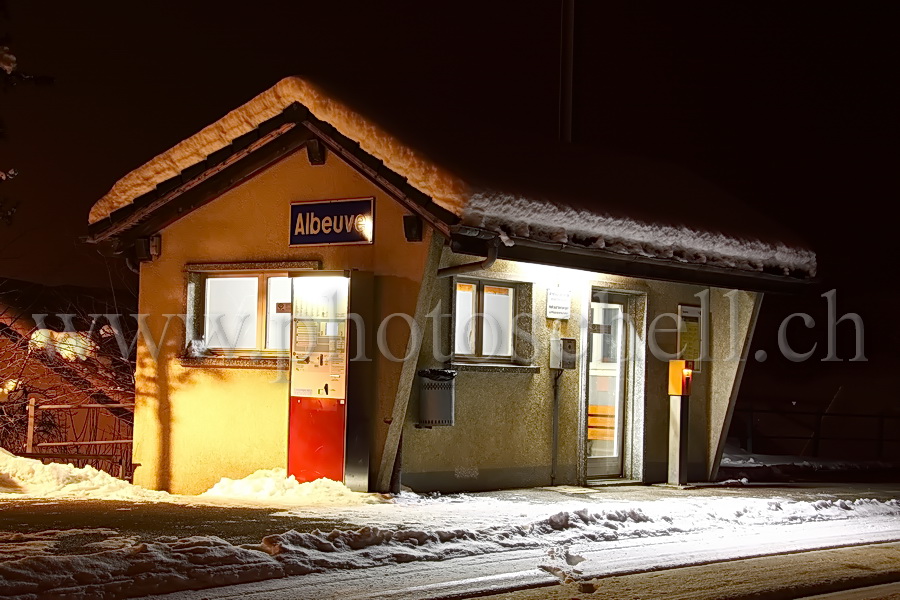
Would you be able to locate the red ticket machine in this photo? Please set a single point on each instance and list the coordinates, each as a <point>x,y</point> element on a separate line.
<point>328,433</point>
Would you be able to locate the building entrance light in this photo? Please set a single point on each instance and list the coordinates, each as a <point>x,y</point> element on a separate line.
<point>681,376</point>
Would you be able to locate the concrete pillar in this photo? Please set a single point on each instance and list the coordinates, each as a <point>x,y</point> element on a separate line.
<point>679,423</point>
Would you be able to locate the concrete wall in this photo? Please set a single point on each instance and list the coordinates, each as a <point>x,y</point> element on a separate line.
<point>196,424</point>
<point>732,315</point>
<point>503,432</point>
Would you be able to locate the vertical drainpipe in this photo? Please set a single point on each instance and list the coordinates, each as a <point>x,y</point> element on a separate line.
<point>566,69</point>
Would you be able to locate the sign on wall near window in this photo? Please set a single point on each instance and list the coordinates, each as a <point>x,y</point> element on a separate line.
<point>559,303</point>
<point>689,334</point>
<point>348,221</point>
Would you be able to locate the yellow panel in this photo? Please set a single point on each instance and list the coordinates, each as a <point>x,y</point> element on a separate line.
<point>601,409</point>
<point>600,434</point>
<point>676,371</point>
<point>604,421</point>
<point>464,287</point>
<point>500,291</point>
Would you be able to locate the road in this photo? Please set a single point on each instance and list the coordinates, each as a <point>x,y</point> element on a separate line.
<point>689,530</point>
<point>611,568</point>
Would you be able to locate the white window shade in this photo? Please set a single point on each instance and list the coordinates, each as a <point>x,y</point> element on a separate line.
<point>498,316</point>
<point>230,312</point>
<point>464,334</point>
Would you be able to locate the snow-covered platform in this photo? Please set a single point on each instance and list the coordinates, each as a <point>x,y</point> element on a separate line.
<point>417,546</point>
<point>78,533</point>
<point>738,464</point>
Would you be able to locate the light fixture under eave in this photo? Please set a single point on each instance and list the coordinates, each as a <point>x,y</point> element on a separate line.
<point>364,226</point>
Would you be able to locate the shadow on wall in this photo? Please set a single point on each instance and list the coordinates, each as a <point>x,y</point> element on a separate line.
<point>154,389</point>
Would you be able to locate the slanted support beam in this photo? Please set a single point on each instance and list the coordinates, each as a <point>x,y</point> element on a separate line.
<point>408,370</point>
<point>735,389</point>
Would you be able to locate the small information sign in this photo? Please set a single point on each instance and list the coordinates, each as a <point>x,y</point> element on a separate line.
<point>689,334</point>
<point>559,304</point>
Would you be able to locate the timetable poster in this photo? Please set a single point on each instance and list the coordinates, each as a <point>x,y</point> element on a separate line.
<point>319,337</point>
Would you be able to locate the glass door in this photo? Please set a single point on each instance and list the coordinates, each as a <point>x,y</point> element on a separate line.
<point>606,384</point>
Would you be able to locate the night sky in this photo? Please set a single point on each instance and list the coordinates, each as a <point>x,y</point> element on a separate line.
<point>791,107</point>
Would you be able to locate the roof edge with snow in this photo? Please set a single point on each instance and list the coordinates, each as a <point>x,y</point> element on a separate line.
<point>294,113</point>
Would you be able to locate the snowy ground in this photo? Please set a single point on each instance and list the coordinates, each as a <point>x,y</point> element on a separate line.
<point>61,537</point>
<point>740,464</point>
<point>738,457</point>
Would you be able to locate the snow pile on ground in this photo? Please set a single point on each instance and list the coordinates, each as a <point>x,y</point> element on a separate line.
<point>168,565</point>
<point>515,216</point>
<point>28,476</point>
<point>16,545</point>
<point>158,567</point>
<point>737,457</point>
<point>275,485</point>
<point>303,553</point>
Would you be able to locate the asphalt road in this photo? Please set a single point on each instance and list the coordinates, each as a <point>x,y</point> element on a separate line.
<point>868,572</point>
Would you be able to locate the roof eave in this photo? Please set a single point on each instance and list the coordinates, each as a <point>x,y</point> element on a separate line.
<point>231,166</point>
<point>612,263</point>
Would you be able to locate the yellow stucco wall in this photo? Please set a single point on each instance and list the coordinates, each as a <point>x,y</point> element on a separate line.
<point>194,425</point>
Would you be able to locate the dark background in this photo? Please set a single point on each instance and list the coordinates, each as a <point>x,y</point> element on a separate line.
<point>791,107</point>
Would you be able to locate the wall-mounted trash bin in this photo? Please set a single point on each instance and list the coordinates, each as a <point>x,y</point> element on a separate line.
<point>437,396</point>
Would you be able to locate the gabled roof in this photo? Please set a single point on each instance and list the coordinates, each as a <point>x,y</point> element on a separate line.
<point>446,190</point>
<point>624,215</point>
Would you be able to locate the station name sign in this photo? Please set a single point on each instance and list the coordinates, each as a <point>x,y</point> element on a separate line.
<point>348,221</point>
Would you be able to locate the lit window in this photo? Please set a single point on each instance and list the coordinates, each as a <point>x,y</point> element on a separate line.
<point>243,312</point>
<point>484,320</point>
<point>230,319</point>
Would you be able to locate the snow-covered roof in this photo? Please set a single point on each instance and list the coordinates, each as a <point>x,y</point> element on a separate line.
<point>445,189</point>
<point>611,219</point>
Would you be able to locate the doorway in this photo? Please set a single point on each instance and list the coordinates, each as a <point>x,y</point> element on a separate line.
<point>608,341</point>
<point>318,376</point>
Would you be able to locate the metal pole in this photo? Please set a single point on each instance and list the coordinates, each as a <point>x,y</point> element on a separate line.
<point>29,434</point>
<point>566,69</point>
<point>555,444</point>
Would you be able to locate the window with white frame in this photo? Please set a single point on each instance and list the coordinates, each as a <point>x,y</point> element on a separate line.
<point>246,312</point>
<point>239,313</point>
<point>484,320</point>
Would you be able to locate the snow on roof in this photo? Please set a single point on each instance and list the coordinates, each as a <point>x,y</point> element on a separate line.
<point>514,216</point>
<point>590,224</point>
<point>445,189</point>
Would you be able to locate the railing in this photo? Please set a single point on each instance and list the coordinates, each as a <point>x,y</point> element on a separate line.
<point>30,446</point>
<point>815,437</point>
